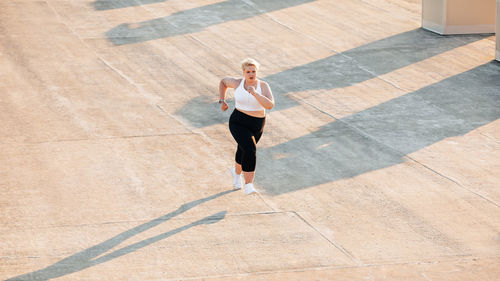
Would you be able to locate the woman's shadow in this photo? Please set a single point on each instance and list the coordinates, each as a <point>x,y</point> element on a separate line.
<point>88,258</point>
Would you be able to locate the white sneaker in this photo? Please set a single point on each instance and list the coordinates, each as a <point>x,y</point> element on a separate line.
<point>237,182</point>
<point>249,189</point>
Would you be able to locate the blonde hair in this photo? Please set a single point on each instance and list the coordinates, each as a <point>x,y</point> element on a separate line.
<point>249,61</point>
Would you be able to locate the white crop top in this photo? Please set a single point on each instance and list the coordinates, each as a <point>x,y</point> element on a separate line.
<point>244,100</point>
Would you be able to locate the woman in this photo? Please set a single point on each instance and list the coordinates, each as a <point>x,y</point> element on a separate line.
<point>252,97</point>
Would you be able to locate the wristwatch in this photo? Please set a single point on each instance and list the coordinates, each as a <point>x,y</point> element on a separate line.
<point>222,100</point>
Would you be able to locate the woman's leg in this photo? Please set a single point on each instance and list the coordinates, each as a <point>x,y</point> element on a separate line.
<point>246,153</point>
<point>246,134</point>
<point>237,161</point>
<point>237,168</point>
<point>249,176</point>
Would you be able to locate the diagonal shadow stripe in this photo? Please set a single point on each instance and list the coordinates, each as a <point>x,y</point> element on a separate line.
<point>367,61</point>
<point>102,5</point>
<point>384,135</point>
<point>88,258</point>
<point>338,71</point>
<point>195,20</point>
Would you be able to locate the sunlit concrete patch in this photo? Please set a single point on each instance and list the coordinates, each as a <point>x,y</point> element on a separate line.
<point>491,130</point>
<point>462,269</point>
<point>93,181</point>
<point>78,114</point>
<point>165,68</point>
<point>70,90</point>
<point>345,101</point>
<point>348,24</point>
<point>27,17</point>
<point>470,160</point>
<point>402,213</point>
<point>444,65</point>
<point>86,20</point>
<point>168,247</point>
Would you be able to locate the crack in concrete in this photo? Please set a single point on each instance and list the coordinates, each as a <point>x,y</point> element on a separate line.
<point>452,180</point>
<point>186,125</point>
<point>488,136</point>
<point>425,276</point>
<point>146,220</point>
<point>333,243</point>
<point>150,98</point>
<point>101,138</point>
<point>324,268</point>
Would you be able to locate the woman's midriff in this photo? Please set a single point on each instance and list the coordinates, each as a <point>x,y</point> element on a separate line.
<point>258,113</point>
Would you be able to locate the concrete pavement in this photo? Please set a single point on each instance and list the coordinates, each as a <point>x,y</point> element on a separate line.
<point>379,162</point>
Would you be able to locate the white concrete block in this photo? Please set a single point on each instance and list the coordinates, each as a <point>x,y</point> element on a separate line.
<point>458,16</point>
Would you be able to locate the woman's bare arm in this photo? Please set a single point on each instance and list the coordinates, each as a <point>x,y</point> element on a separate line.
<point>225,83</point>
<point>266,99</point>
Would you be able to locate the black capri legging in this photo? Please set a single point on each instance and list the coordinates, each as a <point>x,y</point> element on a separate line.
<point>246,130</point>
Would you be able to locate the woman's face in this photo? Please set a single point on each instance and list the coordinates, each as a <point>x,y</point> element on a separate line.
<point>250,73</point>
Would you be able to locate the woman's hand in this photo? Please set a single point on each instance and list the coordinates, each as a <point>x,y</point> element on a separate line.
<point>223,105</point>
<point>266,98</point>
<point>251,90</point>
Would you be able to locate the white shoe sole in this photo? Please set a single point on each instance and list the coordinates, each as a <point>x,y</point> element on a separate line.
<point>250,190</point>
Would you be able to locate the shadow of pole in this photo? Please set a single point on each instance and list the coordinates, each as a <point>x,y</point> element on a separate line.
<point>195,20</point>
<point>87,258</point>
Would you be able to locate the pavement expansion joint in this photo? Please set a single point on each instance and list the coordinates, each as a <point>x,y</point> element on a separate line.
<point>325,268</point>
<point>105,138</point>
<point>333,243</point>
<point>148,220</point>
<point>452,180</point>
<point>489,137</point>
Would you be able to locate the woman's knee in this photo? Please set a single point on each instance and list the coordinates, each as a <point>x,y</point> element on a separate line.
<point>248,145</point>
<point>248,165</point>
